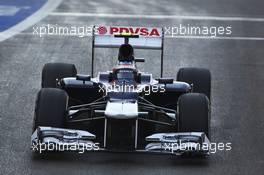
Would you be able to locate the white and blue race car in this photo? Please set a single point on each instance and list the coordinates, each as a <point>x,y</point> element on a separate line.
<point>123,109</point>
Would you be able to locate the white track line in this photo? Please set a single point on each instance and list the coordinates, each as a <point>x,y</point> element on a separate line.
<point>34,18</point>
<point>105,15</point>
<point>169,37</point>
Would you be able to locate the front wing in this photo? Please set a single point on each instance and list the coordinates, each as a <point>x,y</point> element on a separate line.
<point>58,139</point>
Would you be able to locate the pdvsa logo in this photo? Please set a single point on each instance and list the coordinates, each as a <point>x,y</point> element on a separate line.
<point>143,31</point>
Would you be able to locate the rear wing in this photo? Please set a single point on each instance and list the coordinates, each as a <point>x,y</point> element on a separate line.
<point>138,37</point>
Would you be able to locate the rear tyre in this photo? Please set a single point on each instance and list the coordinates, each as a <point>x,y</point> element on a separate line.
<point>199,77</point>
<point>53,71</point>
<point>50,108</point>
<point>194,113</point>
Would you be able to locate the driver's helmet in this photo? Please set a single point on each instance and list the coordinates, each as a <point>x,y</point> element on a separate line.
<point>126,53</point>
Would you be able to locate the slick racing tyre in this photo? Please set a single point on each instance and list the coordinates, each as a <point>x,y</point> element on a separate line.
<point>50,108</point>
<point>194,113</point>
<point>53,71</point>
<point>200,79</point>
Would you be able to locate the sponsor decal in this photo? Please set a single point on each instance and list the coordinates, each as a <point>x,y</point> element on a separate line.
<point>102,30</point>
<point>142,31</point>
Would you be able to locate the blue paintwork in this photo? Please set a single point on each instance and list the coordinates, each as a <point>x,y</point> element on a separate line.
<point>26,9</point>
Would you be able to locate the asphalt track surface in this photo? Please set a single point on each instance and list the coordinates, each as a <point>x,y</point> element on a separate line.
<point>237,67</point>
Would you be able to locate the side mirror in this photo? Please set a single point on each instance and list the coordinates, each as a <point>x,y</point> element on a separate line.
<point>165,80</point>
<point>83,77</point>
<point>141,60</point>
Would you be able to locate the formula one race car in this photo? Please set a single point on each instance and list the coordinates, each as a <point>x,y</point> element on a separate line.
<point>123,109</point>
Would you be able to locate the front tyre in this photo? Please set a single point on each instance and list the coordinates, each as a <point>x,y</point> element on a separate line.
<point>194,113</point>
<point>50,108</point>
